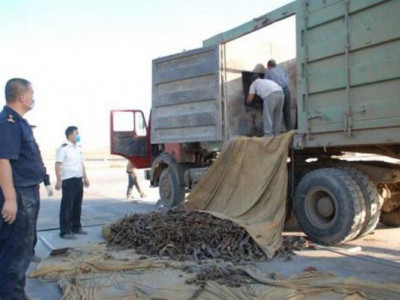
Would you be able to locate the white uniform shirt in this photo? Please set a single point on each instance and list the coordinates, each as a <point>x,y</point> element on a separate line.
<point>264,87</point>
<point>70,155</point>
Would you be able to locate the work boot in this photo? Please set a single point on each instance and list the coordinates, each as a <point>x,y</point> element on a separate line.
<point>68,236</point>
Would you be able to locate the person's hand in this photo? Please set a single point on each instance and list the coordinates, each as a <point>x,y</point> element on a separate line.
<point>86,182</point>
<point>9,211</point>
<point>49,190</point>
<point>58,185</point>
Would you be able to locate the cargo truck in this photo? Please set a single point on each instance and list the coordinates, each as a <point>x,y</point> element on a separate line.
<point>343,60</point>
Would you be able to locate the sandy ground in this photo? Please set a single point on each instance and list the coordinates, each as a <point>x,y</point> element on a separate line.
<point>375,257</point>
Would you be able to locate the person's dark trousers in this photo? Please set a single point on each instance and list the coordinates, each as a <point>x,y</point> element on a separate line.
<point>35,234</point>
<point>286,109</point>
<point>16,242</point>
<point>71,205</point>
<point>133,181</point>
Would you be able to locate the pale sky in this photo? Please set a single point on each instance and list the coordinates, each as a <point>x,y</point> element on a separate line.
<point>86,57</point>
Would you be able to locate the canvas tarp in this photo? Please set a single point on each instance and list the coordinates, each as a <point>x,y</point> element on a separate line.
<point>248,185</point>
<point>95,272</point>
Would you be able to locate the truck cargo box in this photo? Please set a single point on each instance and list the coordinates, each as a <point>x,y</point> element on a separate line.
<point>198,95</point>
<point>343,60</point>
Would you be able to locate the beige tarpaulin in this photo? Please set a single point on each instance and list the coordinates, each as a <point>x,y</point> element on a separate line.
<point>248,184</point>
<point>95,272</point>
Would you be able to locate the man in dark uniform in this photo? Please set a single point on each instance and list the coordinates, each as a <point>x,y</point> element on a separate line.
<point>21,171</point>
<point>46,182</point>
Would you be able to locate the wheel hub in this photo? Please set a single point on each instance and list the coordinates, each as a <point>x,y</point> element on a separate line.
<point>166,189</point>
<point>320,208</point>
<point>325,207</point>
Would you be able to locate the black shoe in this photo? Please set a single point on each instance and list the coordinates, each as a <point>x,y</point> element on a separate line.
<point>80,231</point>
<point>68,236</point>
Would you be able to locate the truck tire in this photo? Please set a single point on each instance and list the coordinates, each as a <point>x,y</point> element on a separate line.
<point>329,206</point>
<point>171,193</point>
<point>391,218</point>
<point>373,201</point>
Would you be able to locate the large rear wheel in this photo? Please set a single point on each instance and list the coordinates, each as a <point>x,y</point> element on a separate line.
<point>171,193</point>
<point>373,201</point>
<point>329,206</point>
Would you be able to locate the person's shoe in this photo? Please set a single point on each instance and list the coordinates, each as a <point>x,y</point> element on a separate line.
<point>143,195</point>
<point>80,231</point>
<point>128,197</point>
<point>35,259</point>
<point>68,236</point>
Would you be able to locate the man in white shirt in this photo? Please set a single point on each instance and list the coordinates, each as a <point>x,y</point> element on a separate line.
<point>272,96</point>
<point>71,176</point>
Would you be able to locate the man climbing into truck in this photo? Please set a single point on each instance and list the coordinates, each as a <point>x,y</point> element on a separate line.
<point>272,96</point>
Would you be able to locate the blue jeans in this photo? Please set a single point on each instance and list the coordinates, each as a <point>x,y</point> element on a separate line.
<point>16,242</point>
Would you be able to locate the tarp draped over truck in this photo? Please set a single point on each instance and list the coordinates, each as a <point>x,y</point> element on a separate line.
<point>248,184</point>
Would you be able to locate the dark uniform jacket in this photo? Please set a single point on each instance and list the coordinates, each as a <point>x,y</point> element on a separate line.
<point>19,146</point>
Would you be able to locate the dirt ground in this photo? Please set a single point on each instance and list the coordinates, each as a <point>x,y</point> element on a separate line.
<point>375,257</point>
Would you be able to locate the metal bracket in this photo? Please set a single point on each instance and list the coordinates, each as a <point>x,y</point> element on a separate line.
<point>348,121</point>
<point>315,115</point>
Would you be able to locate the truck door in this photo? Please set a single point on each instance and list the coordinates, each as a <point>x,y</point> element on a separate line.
<point>130,136</point>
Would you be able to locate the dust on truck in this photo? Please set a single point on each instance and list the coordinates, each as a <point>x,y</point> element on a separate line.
<point>343,60</point>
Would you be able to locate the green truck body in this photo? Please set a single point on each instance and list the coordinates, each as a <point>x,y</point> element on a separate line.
<point>345,77</point>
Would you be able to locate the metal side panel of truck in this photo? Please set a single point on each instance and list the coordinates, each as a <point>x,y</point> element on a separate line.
<point>348,81</point>
<point>186,97</point>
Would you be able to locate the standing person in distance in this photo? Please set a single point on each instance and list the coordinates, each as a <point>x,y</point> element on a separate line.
<point>133,180</point>
<point>21,172</point>
<point>71,177</point>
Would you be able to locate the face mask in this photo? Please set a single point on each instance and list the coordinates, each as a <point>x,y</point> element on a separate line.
<point>32,105</point>
<point>77,138</point>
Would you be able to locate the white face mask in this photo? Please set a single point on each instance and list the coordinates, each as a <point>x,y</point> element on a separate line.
<point>32,105</point>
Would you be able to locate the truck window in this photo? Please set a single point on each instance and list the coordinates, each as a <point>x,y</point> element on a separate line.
<point>140,125</point>
<point>123,121</point>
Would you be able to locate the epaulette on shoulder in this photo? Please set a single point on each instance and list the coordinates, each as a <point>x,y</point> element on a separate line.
<point>63,145</point>
<point>10,119</point>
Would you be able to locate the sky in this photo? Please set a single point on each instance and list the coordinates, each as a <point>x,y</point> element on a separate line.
<point>86,57</point>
